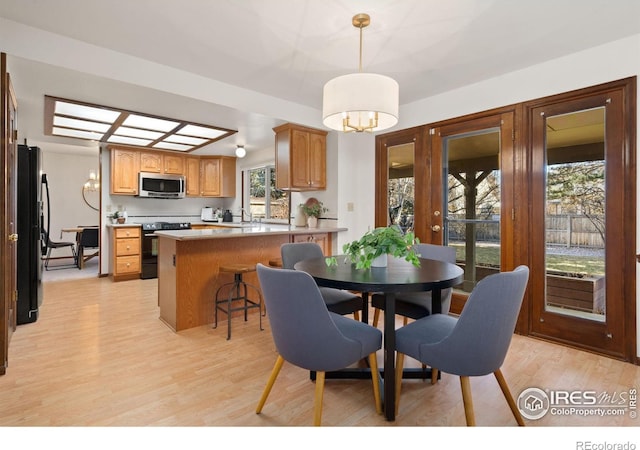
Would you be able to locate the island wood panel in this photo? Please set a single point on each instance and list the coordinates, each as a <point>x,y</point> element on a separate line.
<point>186,291</point>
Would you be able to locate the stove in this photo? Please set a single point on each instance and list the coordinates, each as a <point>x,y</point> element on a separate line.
<point>150,245</point>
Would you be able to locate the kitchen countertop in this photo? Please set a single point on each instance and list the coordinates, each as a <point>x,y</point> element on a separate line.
<point>241,230</point>
<point>120,225</point>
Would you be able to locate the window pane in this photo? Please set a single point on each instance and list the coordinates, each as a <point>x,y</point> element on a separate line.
<point>277,206</point>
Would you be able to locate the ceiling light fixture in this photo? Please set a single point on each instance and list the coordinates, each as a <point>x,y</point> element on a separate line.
<point>240,151</point>
<point>360,101</point>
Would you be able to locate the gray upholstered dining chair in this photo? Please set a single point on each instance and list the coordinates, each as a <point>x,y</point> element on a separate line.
<point>338,301</point>
<point>476,343</point>
<point>309,336</point>
<point>416,305</point>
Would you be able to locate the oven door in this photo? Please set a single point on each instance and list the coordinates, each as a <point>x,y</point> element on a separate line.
<point>149,255</point>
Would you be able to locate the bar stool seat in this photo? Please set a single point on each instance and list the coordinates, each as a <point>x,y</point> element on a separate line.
<point>236,291</point>
<point>275,262</point>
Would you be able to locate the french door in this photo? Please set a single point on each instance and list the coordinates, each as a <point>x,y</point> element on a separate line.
<point>583,223</point>
<point>549,183</point>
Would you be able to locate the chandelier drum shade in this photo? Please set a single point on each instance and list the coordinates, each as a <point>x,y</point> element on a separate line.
<point>360,101</point>
<point>356,99</point>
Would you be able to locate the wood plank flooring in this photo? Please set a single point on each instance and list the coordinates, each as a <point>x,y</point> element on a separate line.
<point>99,356</point>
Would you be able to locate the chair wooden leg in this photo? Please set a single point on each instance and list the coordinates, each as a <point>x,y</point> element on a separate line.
<point>465,384</point>
<point>399,368</point>
<point>434,375</point>
<point>373,364</point>
<point>317,415</point>
<point>356,315</point>
<point>405,320</point>
<point>272,379</point>
<point>507,395</point>
<point>376,317</point>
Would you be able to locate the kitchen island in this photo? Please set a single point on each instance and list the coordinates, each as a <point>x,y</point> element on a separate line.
<point>189,261</point>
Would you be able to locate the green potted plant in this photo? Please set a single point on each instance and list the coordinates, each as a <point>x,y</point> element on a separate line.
<point>380,242</point>
<point>313,210</point>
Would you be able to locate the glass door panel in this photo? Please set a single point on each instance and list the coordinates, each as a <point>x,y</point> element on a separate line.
<point>575,214</point>
<point>400,185</point>
<point>472,199</point>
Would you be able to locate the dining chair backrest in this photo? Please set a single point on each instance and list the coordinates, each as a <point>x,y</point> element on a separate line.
<point>299,251</point>
<point>440,253</point>
<point>481,337</point>
<point>89,238</point>
<point>303,331</point>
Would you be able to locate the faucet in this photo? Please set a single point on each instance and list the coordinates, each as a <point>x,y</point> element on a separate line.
<point>244,211</point>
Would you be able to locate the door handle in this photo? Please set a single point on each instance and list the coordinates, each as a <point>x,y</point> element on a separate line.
<point>13,237</point>
<point>435,228</point>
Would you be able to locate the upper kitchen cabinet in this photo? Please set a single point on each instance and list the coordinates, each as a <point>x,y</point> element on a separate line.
<point>192,175</point>
<point>125,165</point>
<point>217,176</point>
<point>301,158</point>
<point>161,162</point>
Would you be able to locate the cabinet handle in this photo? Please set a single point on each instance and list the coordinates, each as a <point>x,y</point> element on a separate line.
<point>128,247</point>
<point>436,228</point>
<point>128,264</point>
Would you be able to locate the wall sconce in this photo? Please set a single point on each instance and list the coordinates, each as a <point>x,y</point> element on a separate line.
<point>240,151</point>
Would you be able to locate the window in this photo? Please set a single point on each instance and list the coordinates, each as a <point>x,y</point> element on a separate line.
<point>265,200</point>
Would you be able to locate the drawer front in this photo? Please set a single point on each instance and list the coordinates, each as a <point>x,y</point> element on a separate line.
<point>127,232</point>
<point>127,264</point>
<point>126,247</point>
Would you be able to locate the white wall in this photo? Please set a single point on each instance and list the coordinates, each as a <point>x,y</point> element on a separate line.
<point>614,61</point>
<point>66,174</point>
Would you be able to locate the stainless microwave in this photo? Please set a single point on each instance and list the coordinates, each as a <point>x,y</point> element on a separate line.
<point>158,185</point>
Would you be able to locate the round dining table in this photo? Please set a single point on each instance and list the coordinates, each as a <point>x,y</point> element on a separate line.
<point>399,276</point>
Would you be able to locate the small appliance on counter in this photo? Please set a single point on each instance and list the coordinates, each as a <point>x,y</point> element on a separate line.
<point>227,217</point>
<point>208,214</point>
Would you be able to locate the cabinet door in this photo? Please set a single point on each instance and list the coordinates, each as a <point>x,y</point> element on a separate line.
<point>299,159</point>
<point>322,239</point>
<point>150,162</point>
<point>210,177</point>
<point>192,176</point>
<point>124,171</point>
<point>173,164</point>
<point>317,159</point>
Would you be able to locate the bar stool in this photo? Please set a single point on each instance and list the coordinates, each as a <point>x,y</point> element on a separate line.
<point>226,304</point>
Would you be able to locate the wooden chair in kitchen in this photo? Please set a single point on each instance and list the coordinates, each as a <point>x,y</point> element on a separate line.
<point>338,301</point>
<point>54,245</point>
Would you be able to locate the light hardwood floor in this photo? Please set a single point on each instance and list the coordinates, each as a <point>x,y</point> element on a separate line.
<point>99,356</point>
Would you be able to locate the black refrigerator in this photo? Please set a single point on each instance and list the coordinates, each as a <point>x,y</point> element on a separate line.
<point>29,224</point>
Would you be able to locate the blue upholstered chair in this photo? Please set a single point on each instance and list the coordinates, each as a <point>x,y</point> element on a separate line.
<point>309,336</point>
<point>338,301</point>
<point>416,305</point>
<point>476,343</point>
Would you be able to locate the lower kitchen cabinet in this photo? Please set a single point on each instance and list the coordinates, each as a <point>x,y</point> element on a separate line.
<point>126,253</point>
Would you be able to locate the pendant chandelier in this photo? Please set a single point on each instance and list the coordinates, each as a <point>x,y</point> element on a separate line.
<point>360,101</point>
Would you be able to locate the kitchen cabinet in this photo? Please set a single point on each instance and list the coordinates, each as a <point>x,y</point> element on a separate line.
<point>126,253</point>
<point>217,176</point>
<point>192,172</point>
<point>125,165</point>
<point>301,158</point>
<point>161,162</point>
<point>322,239</point>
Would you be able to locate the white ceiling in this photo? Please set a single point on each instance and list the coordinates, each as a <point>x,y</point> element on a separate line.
<point>253,64</point>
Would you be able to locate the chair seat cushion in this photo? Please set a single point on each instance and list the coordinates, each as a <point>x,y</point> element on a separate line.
<point>426,331</point>
<point>340,301</point>
<point>369,338</point>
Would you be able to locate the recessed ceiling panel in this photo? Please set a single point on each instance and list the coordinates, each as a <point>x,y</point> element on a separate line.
<point>80,120</point>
